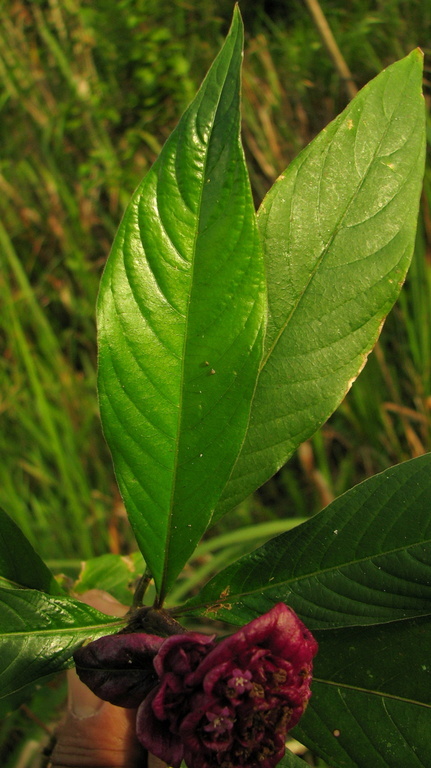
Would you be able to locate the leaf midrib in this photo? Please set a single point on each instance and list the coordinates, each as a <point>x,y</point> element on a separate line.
<point>163,590</point>
<point>62,630</point>
<point>335,232</point>
<point>370,691</point>
<point>295,580</point>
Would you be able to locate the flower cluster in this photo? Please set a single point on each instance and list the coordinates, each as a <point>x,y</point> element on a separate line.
<point>226,704</point>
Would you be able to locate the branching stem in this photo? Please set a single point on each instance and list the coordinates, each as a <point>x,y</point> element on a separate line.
<point>141,588</point>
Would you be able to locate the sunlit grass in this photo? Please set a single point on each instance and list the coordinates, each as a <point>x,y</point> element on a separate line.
<point>87,103</point>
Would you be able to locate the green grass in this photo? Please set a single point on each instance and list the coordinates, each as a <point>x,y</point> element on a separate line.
<point>87,102</point>
<point>90,93</point>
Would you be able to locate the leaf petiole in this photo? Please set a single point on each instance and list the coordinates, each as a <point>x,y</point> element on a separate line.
<point>141,588</point>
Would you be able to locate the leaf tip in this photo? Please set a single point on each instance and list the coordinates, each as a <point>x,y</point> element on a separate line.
<point>237,23</point>
<point>419,53</point>
<point>416,57</point>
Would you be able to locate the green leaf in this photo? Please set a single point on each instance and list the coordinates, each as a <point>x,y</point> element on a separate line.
<point>13,701</point>
<point>365,559</point>
<point>20,565</point>
<point>291,761</point>
<point>371,703</point>
<point>113,573</point>
<point>38,634</point>
<point>338,231</point>
<point>181,315</point>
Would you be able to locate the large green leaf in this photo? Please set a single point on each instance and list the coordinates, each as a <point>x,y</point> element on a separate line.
<point>20,565</point>
<point>38,634</point>
<point>338,231</point>
<point>371,702</point>
<point>180,317</point>
<point>364,559</point>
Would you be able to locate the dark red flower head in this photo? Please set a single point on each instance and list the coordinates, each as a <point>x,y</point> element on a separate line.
<point>214,705</point>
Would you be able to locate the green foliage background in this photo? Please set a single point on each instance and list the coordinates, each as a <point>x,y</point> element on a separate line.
<point>89,93</point>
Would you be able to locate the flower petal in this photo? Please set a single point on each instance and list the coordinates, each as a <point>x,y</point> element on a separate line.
<point>279,631</point>
<point>119,668</point>
<point>155,735</point>
<point>181,654</point>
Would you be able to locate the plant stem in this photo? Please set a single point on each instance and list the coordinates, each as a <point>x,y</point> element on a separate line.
<point>141,588</point>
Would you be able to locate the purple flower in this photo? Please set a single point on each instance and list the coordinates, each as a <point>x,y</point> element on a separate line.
<point>236,706</point>
<point>226,704</point>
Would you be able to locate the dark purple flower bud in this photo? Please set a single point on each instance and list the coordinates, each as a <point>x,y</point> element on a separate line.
<point>229,705</point>
<point>119,668</point>
<point>124,668</point>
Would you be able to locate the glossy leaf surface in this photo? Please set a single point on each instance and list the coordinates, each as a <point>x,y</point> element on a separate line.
<point>180,317</point>
<point>338,231</point>
<point>20,565</point>
<point>371,702</point>
<point>364,559</point>
<point>38,634</point>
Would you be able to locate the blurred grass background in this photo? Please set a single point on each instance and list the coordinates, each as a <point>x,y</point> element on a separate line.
<point>89,93</point>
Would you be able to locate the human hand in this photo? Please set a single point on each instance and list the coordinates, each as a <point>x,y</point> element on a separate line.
<point>96,734</point>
